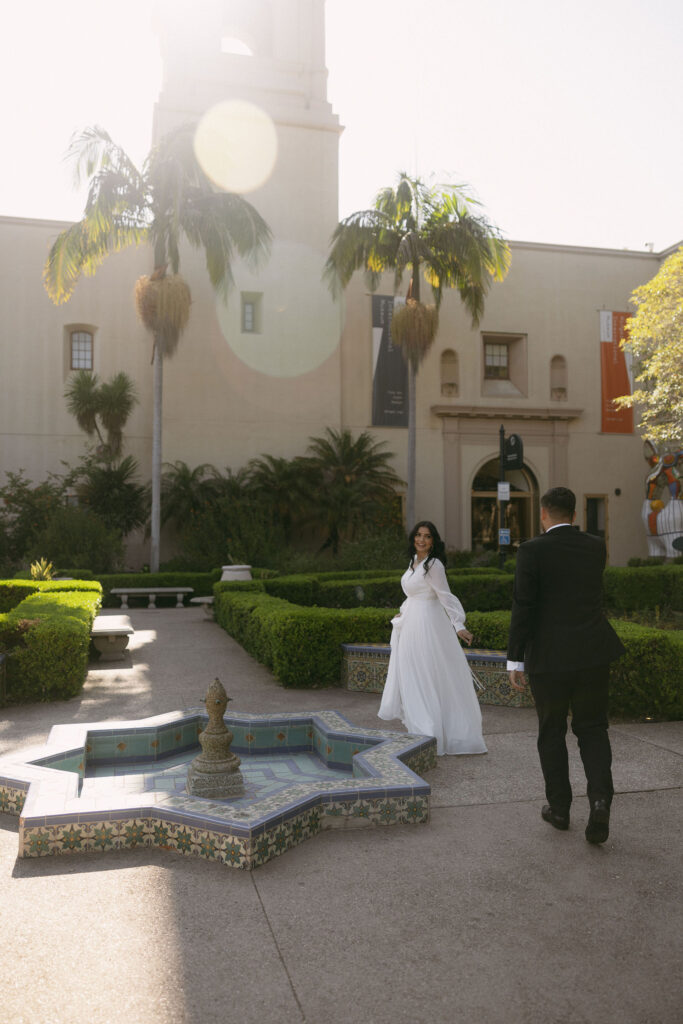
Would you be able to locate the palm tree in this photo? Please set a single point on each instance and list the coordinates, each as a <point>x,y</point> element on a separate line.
<point>431,231</point>
<point>101,408</point>
<point>168,200</point>
<point>347,481</point>
<point>185,492</point>
<point>277,482</point>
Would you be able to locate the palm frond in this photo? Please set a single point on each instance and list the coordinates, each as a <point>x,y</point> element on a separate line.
<point>82,396</point>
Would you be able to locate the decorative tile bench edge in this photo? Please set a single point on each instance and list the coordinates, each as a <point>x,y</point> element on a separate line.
<point>364,668</point>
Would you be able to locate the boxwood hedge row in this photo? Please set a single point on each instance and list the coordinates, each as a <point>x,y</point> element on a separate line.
<point>302,646</point>
<point>46,637</point>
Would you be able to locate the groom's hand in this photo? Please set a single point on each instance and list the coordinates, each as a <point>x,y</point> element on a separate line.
<point>518,680</point>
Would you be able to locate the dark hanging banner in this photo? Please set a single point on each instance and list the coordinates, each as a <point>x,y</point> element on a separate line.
<point>389,369</point>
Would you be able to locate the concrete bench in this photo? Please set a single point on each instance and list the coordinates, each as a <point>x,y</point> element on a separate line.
<point>110,635</point>
<point>206,603</point>
<point>151,592</point>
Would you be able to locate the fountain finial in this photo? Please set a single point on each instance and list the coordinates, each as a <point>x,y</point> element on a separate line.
<point>215,772</point>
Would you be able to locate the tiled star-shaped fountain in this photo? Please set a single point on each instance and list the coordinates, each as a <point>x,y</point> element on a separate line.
<point>117,785</point>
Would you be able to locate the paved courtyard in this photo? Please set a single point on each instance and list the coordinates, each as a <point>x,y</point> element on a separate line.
<point>485,915</point>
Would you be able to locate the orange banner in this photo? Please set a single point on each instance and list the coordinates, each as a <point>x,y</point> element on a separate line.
<point>615,378</point>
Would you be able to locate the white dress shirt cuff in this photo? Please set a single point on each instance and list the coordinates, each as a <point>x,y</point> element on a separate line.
<point>515,666</point>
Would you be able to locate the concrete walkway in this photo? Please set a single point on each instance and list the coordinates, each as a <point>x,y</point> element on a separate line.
<point>484,916</point>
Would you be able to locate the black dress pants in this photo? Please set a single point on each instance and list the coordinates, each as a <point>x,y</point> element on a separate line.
<point>585,693</point>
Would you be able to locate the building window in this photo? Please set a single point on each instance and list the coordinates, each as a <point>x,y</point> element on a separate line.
<point>449,373</point>
<point>504,365</point>
<point>558,379</point>
<point>251,312</point>
<point>81,350</point>
<point>496,361</point>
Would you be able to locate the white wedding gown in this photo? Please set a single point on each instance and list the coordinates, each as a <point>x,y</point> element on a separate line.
<point>429,684</point>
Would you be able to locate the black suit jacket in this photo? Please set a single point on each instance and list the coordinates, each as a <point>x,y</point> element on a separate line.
<point>558,623</point>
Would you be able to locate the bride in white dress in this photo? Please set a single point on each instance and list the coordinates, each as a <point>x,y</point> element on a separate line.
<point>429,683</point>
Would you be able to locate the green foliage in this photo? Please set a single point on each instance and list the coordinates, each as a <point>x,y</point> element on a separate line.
<point>302,646</point>
<point>42,570</point>
<point>382,590</point>
<point>101,408</point>
<point>647,681</point>
<point>629,589</point>
<point>47,639</point>
<point>77,537</point>
<point>25,511</point>
<point>13,593</point>
<point>655,339</point>
<point>347,482</point>
<point>112,493</point>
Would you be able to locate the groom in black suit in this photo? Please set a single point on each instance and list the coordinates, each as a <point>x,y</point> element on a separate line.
<point>559,634</point>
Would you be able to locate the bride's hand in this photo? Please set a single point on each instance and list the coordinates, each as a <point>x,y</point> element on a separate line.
<point>465,635</point>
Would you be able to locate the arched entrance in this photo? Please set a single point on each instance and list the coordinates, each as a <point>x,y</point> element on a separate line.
<point>521,513</point>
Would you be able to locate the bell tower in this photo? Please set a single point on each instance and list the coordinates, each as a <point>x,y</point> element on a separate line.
<point>261,372</point>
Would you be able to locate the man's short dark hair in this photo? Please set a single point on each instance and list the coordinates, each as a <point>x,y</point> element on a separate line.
<point>560,502</point>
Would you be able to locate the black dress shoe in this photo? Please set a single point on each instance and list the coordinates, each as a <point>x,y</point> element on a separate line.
<point>597,829</point>
<point>560,821</point>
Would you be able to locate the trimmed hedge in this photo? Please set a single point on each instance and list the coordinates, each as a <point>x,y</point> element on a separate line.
<point>302,646</point>
<point>480,591</point>
<point>632,589</point>
<point>47,639</point>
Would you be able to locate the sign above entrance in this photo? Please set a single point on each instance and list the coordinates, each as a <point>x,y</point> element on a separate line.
<point>513,455</point>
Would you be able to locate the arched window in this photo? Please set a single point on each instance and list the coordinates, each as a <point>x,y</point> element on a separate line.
<point>558,379</point>
<point>449,372</point>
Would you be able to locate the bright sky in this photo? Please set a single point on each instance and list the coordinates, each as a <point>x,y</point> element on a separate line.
<point>564,116</point>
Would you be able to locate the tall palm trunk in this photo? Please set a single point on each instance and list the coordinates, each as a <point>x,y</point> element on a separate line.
<point>412,438</point>
<point>411,457</point>
<point>155,525</point>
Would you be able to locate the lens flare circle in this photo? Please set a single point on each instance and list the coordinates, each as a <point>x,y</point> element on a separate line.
<point>235,144</point>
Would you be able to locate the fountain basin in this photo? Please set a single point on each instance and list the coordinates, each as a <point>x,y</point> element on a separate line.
<point>118,785</point>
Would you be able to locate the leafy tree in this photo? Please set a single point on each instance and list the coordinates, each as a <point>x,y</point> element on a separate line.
<point>347,482</point>
<point>75,538</point>
<point>168,200</point>
<point>25,510</point>
<point>655,338</point>
<point>101,408</point>
<point>432,232</point>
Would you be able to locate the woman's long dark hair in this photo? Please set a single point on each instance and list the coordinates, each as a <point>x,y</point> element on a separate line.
<point>438,546</point>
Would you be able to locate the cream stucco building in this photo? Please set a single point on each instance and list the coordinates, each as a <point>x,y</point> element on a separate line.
<point>282,360</point>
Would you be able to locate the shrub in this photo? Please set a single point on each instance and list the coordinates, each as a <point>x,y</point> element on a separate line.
<point>647,681</point>
<point>47,639</point>
<point>644,587</point>
<point>77,537</point>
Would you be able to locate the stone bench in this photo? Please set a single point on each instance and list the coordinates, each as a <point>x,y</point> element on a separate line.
<point>206,603</point>
<point>364,667</point>
<point>110,635</point>
<point>151,592</point>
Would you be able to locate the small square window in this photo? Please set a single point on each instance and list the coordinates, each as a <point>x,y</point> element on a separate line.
<point>251,313</point>
<point>81,350</point>
<point>496,362</point>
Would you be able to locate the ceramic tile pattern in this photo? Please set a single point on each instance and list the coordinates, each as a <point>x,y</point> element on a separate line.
<point>114,786</point>
<point>364,667</point>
